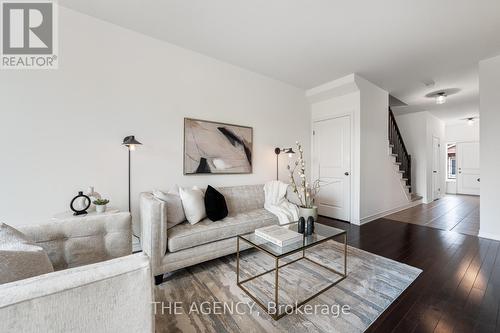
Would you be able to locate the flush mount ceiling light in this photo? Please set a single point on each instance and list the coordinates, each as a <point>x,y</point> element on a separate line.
<point>441,98</point>
<point>470,120</point>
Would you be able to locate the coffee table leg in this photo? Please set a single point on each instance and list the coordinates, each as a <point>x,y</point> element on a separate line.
<point>276,286</point>
<point>345,254</point>
<point>238,260</point>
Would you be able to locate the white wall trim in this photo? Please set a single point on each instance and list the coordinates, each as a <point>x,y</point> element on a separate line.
<point>489,235</point>
<point>390,211</point>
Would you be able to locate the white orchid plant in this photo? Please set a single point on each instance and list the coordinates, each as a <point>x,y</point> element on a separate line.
<point>305,191</point>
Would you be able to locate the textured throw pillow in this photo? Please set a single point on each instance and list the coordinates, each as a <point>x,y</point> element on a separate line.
<point>193,203</point>
<point>215,204</point>
<point>175,211</point>
<point>20,258</point>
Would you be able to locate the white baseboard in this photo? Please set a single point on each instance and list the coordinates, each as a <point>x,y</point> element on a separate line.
<point>488,235</point>
<point>389,212</point>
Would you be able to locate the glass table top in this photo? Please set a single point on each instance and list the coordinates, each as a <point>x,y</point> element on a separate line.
<point>321,233</point>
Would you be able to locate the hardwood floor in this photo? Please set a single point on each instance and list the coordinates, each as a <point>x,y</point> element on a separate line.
<point>459,213</point>
<point>459,288</point>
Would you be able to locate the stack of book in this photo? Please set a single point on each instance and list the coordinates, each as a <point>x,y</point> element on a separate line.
<point>277,235</point>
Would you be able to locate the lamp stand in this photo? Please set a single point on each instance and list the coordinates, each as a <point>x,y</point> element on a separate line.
<point>129,206</point>
<point>277,151</point>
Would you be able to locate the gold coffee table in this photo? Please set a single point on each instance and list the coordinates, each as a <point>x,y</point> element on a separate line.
<point>322,233</point>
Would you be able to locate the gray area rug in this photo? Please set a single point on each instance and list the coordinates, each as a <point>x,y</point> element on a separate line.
<point>205,297</point>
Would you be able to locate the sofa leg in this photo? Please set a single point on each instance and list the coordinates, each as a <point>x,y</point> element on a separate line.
<point>158,279</point>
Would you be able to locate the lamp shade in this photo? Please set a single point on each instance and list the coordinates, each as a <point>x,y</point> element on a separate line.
<point>130,141</point>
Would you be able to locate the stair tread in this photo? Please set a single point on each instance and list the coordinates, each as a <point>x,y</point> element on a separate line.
<point>415,197</point>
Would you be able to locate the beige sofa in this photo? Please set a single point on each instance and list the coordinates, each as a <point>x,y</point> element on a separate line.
<point>97,285</point>
<point>185,244</point>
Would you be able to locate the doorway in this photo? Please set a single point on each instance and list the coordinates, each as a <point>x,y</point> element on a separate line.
<point>468,176</point>
<point>436,172</point>
<point>332,166</point>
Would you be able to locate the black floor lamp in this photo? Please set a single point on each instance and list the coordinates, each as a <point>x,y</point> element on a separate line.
<point>130,142</point>
<point>278,151</point>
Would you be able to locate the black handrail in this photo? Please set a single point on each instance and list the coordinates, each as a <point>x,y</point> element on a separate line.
<point>399,148</point>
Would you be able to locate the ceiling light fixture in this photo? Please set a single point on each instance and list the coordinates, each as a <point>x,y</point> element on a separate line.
<point>441,98</point>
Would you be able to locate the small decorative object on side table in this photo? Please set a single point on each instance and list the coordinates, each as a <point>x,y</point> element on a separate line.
<point>80,210</point>
<point>100,205</point>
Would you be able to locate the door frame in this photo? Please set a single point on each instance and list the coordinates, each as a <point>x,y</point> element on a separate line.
<point>438,196</point>
<point>350,115</point>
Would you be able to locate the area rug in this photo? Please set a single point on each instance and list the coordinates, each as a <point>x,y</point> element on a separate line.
<point>206,298</point>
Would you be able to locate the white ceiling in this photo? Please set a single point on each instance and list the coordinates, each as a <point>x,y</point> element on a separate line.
<point>396,44</point>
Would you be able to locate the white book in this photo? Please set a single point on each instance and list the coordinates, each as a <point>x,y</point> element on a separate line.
<point>280,236</point>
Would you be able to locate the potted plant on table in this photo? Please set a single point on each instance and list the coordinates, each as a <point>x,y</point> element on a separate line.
<point>306,192</point>
<point>100,205</point>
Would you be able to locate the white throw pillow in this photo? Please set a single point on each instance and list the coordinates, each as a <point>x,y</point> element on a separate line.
<point>193,203</point>
<point>20,258</point>
<point>175,211</point>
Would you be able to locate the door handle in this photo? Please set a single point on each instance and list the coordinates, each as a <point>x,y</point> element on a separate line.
<point>479,179</point>
<point>435,171</point>
<point>346,173</point>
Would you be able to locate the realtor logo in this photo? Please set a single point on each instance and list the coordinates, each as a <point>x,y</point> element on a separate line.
<point>29,35</point>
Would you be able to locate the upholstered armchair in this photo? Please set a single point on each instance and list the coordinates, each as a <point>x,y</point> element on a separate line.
<point>97,284</point>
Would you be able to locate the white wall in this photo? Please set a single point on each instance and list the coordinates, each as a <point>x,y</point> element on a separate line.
<point>381,188</point>
<point>413,127</point>
<point>62,129</point>
<point>462,132</point>
<point>489,86</point>
<point>418,130</point>
<point>375,187</point>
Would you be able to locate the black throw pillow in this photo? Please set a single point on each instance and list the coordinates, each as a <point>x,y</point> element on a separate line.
<point>215,204</point>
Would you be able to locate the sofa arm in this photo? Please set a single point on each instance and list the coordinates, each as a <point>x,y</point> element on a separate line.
<point>110,296</point>
<point>153,214</point>
<point>83,240</point>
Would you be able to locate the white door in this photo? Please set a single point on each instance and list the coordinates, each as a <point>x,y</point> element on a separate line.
<point>332,166</point>
<point>436,172</point>
<point>468,179</point>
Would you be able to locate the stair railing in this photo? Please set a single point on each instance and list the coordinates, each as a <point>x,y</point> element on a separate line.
<point>399,149</point>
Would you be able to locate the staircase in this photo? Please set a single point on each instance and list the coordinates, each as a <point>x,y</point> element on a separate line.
<point>401,158</point>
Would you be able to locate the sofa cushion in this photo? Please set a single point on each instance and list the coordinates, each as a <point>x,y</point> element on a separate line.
<point>175,211</point>
<point>215,204</point>
<point>185,235</point>
<point>193,203</point>
<point>244,198</point>
<point>20,258</point>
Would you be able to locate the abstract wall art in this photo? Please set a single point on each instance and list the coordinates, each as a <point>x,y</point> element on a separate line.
<point>216,148</point>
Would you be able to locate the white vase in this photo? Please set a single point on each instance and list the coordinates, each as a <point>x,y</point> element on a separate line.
<point>100,208</point>
<point>306,212</point>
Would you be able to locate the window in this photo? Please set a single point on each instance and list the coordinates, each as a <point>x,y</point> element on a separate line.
<point>451,149</point>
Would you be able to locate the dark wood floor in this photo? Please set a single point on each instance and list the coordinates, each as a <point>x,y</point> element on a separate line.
<point>459,213</point>
<point>459,288</point>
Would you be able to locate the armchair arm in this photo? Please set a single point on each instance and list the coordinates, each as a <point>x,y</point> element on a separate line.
<point>83,240</point>
<point>153,213</point>
<point>109,296</point>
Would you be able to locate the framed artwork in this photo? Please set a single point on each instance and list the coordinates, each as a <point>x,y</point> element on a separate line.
<point>216,148</point>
